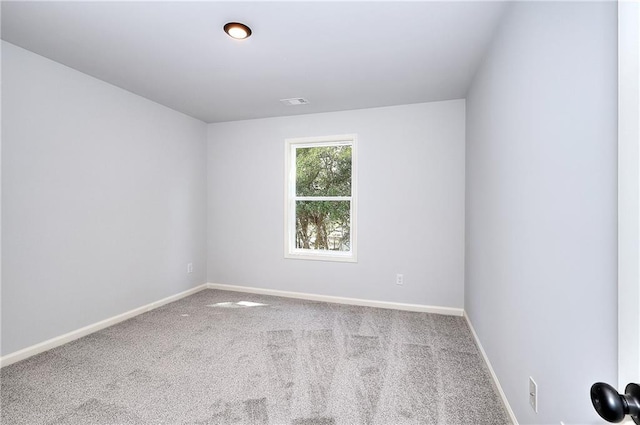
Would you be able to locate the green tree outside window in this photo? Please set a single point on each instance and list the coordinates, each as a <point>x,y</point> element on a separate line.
<point>323,172</point>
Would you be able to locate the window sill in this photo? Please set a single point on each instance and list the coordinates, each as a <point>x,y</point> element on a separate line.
<point>348,257</point>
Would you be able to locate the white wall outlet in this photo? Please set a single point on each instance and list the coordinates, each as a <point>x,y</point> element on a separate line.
<point>533,394</point>
<point>399,279</point>
<point>190,268</point>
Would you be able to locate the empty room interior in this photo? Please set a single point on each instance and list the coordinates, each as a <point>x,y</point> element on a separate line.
<point>319,213</point>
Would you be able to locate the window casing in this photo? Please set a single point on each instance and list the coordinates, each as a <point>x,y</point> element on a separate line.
<point>320,198</point>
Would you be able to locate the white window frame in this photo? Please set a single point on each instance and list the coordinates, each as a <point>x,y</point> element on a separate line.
<point>290,198</point>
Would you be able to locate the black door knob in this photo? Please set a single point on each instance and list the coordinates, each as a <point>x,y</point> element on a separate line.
<point>612,406</point>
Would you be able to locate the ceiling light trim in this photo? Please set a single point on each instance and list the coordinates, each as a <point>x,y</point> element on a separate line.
<point>237,30</point>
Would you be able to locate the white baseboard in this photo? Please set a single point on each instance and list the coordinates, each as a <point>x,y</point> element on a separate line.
<point>450,311</point>
<point>503,396</point>
<point>79,333</point>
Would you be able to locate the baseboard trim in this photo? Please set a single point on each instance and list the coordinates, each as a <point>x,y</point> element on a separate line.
<point>449,311</point>
<point>503,396</point>
<point>79,333</point>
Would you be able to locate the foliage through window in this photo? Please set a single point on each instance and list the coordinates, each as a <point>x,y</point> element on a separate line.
<point>320,219</point>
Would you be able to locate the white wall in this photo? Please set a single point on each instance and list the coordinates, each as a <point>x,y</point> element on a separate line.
<point>411,204</point>
<point>103,200</point>
<point>541,206</point>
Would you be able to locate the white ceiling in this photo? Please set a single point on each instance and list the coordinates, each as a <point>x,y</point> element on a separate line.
<point>338,55</point>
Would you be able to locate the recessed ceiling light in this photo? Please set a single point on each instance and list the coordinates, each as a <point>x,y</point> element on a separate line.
<point>237,30</point>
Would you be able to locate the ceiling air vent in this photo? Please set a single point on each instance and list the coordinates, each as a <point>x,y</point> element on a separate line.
<point>294,101</point>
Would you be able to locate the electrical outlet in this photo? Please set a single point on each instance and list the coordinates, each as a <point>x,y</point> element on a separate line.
<point>399,279</point>
<point>190,268</point>
<point>533,394</point>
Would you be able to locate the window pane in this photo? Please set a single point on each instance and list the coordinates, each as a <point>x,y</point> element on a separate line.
<point>323,171</point>
<point>323,225</point>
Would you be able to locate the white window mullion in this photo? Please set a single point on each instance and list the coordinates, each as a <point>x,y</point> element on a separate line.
<point>322,198</point>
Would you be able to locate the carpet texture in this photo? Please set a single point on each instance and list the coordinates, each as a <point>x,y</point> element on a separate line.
<point>206,359</point>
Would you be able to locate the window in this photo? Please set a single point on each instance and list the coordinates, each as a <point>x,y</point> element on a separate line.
<point>320,210</point>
